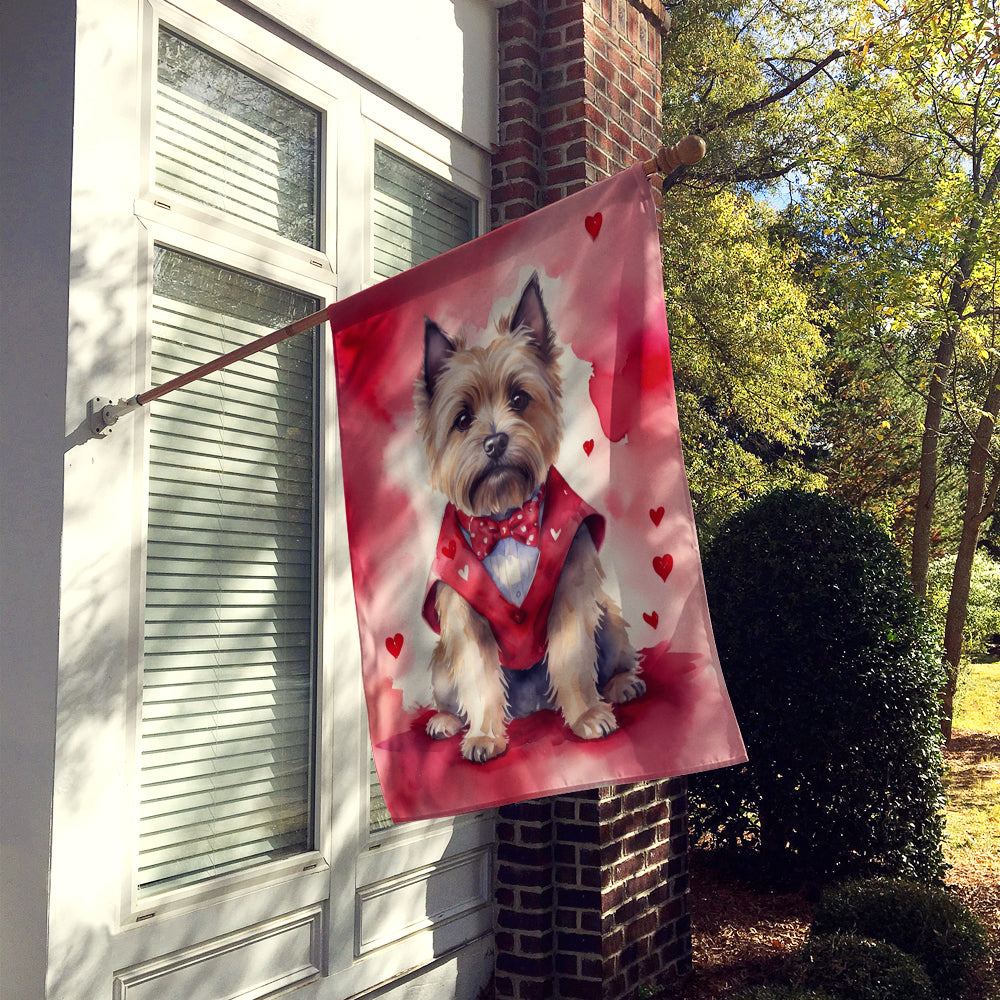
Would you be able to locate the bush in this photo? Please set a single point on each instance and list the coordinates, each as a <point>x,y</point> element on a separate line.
<point>856,968</point>
<point>833,673</point>
<point>925,922</point>
<point>782,993</point>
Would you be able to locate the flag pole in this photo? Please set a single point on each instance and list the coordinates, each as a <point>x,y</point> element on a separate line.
<point>103,413</point>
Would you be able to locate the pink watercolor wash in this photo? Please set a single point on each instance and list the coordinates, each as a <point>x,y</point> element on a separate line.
<point>597,258</point>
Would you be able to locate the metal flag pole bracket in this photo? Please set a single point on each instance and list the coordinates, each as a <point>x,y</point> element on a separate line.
<point>103,413</point>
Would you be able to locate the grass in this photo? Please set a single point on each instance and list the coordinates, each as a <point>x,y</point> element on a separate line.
<point>972,848</point>
<point>973,783</point>
<point>978,697</point>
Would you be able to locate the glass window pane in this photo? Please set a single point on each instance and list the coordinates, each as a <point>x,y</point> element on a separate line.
<point>231,141</point>
<point>416,215</point>
<point>228,680</point>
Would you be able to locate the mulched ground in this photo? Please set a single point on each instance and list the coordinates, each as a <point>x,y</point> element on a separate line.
<point>742,934</point>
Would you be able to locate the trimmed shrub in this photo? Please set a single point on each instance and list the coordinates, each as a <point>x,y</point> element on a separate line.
<point>856,968</point>
<point>925,922</point>
<point>833,672</point>
<point>782,993</point>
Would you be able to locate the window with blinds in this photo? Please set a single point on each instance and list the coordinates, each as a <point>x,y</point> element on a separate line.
<point>230,141</point>
<point>229,650</point>
<point>416,216</point>
<point>228,678</point>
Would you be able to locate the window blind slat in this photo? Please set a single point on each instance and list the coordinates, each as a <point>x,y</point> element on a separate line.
<point>182,785</point>
<point>171,467</point>
<point>241,845</point>
<point>207,508</point>
<point>228,681</point>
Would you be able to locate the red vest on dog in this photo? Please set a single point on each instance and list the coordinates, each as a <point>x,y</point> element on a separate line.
<point>521,632</point>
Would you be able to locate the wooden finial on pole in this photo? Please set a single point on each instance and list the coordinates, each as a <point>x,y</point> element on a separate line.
<point>668,158</point>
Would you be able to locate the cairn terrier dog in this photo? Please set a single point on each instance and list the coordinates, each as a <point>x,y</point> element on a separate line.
<point>517,588</point>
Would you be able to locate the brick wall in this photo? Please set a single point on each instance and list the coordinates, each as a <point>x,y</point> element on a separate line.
<point>591,893</point>
<point>579,96</point>
<point>591,889</point>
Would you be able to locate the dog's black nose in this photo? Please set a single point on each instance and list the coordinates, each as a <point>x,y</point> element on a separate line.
<point>495,445</point>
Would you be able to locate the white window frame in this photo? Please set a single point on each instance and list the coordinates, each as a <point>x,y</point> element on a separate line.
<point>349,871</point>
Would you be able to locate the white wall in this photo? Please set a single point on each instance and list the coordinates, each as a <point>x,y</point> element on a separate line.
<point>36,108</point>
<point>416,50</point>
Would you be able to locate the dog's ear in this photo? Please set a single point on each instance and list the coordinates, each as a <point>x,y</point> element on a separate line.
<point>438,348</point>
<point>531,318</point>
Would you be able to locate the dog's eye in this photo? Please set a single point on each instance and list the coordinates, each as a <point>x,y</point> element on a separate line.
<point>519,400</point>
<point>464,420</point>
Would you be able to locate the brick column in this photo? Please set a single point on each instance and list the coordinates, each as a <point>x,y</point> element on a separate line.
<point>591,889</point>
<point>579,96</point>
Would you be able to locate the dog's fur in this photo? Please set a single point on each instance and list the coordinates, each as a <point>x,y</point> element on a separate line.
<point>468,398</point>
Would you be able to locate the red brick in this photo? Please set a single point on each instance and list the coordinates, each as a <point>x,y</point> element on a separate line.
<point>642,882</point>
<point>573,988</point>
<point>517,191</point>
<point>570,132</point>
<point>552,117</point>
<point>571,14</point>
<point>521,93</point>
<point>567,174</point>
<point>518,49</point>
<point>530,899</point>
<point>511,152</point>
<point>521,111</point>
<point>568,52</point>
<point>521,130</point>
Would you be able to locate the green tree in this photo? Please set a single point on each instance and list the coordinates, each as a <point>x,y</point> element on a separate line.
<point>911,186</point>
<point>880,122</point>
<point>747,358</point>
<point>747,352</point>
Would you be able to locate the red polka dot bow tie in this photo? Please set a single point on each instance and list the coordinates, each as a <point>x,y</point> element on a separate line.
<point>521,525</point>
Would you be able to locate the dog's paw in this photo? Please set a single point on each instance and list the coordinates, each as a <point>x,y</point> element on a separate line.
<point>480,749</point>
<point>443,725</point>
<point>596,722</point>
<point>624,687</point>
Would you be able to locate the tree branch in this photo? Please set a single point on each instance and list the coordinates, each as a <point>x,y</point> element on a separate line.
<point>754,106</point>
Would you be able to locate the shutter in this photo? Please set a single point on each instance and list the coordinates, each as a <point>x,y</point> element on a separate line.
<point>416,216</point>
<point>225,139</point>
<point>228,654</point>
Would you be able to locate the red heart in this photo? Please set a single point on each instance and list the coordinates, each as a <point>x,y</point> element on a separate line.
<point>663,565</point>
<point>394,644</point>
<point>656,515</point>
<point>588,446</point>
<point>652,619</point>
<point>449,549</point>
<point>593,224</point>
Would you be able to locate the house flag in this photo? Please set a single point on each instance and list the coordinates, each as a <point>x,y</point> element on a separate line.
<point>528,587</point>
